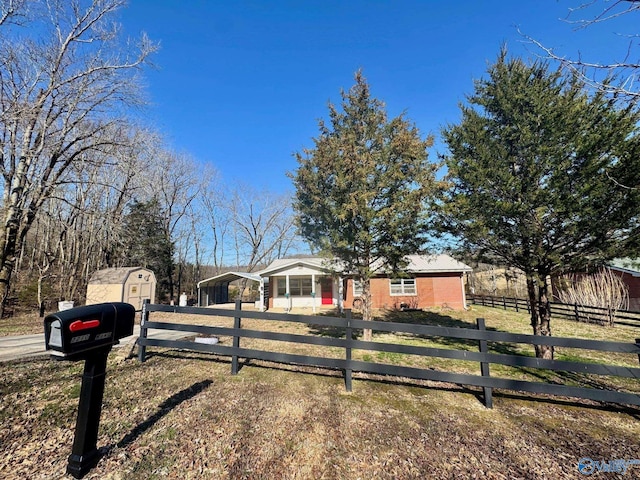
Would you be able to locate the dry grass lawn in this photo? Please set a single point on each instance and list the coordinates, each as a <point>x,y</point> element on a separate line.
<point>182,415</point>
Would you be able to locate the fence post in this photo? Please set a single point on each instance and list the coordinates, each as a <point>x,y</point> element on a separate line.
<point>144,318</point>
<point>516,301</point>
<point>504,302</point>
<point>349,338</point>
<point>493,301</point>
<point>577,314</point>
<point>638,345</point>
<point>236,338</point>
<point>484,366</point>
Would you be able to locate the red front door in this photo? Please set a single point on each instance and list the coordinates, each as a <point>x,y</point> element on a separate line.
<point>326,285</point>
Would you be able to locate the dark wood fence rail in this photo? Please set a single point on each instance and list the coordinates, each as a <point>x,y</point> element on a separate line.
<point>480,336</point>
<point>569,311</point>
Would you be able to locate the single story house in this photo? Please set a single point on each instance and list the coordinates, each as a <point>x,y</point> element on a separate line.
<point>429,281</point>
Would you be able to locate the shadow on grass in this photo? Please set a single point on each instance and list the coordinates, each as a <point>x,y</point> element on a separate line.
<point>476,392</point>
<point>163,409</point>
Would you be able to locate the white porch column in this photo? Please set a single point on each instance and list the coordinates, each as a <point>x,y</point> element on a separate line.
<point>261,287</point>
<point>340,295</point>
<point>313,292</point>
<point>288,293</point>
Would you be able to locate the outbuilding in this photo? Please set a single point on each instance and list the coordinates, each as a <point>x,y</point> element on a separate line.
<point>126,284</point>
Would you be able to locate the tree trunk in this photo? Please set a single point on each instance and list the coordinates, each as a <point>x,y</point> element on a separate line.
<point>367,333</point>
<point>540,312</point>
<point>8,259</point>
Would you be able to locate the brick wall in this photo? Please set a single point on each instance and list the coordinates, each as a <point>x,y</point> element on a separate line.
<point>435,290</point>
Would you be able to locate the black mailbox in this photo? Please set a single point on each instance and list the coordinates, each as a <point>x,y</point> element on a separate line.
<point>75,333</point>
<point>88,333</point>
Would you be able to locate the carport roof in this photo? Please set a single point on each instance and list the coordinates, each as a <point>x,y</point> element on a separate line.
<point>229,277</point>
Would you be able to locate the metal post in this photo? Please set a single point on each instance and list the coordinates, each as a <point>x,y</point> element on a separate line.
<point>484,366</point>
<point>85,455</point>
<point>349,338</point>
<point>144,318</point>
<point>236,338</point>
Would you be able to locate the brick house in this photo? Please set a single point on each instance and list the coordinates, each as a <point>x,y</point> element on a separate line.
<point>429,281</point>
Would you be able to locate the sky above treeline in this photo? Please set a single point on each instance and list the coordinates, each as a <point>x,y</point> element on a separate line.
<point>241,84</point>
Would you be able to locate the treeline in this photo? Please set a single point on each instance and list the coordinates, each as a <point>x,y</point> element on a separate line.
<point>85,186</point>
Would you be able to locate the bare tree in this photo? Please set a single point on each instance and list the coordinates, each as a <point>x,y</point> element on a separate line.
<point>216,216</point>
<point>175,180</point>
<point>63,84</point>
<point>13,11</point>
<point>618,77</point>
<point>263,226</point>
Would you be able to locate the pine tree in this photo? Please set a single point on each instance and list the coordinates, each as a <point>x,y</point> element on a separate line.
<point>147,245</point>
<point>544,176</point>
<point>362,190</point>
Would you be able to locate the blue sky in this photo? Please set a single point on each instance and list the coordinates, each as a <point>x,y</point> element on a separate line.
<point>241,84</point>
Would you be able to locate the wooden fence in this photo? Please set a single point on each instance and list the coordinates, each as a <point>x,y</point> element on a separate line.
<point>579,313</point>
<point>479,336</point>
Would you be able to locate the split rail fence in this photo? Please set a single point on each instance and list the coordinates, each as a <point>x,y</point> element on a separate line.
<point>480,336</point>
<point>579,313</point>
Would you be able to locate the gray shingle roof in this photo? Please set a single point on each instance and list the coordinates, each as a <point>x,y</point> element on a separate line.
<point>417,264</point>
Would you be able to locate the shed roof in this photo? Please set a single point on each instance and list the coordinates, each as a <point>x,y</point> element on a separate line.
<point>630,266</point>
<point>109,276</point>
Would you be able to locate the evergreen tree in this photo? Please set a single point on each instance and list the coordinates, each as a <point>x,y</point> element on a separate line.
<point>540,171</point>
<point>361,191</point>
<point>147,245</point>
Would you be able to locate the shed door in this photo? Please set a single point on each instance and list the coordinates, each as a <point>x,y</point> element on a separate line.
<point>134,295</point>
<point>326,287</point>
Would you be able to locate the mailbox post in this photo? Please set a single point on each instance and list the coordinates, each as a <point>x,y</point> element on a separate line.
<point>88,333</point>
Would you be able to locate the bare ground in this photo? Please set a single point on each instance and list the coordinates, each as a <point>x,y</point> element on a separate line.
<point>182,415</point>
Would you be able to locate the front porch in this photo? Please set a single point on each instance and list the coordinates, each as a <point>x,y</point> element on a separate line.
<point>297,290</point>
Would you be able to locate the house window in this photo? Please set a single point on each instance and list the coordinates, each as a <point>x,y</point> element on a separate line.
<point>357,288</point>
<point>402,286</point>
<point>298,286</point>
<point>282,287</point>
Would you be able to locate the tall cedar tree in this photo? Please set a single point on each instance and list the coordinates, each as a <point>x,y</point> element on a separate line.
<point>544,176</point>
<point>147,245</point>
<point>362,190</point>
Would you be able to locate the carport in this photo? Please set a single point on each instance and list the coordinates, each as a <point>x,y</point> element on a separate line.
<point>215,290</point>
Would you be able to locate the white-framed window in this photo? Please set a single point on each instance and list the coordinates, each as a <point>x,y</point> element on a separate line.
<point>402,286</point>
<point>298,286</point>
<point>357,288</point>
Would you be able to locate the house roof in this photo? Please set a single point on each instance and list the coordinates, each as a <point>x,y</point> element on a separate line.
<point>435,263</point>
<point>110,276</point>
<point>417,264</point>
<point>315,263</point>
